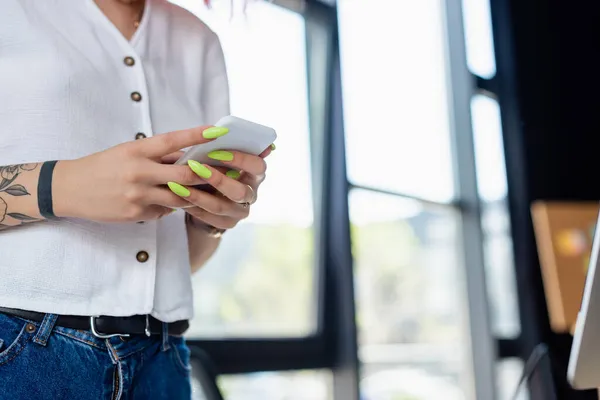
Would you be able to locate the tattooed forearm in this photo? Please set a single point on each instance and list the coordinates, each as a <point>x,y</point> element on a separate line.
<point>18,195</point>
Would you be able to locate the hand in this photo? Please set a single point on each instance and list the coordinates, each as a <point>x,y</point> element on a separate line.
<point>127,182</point>
<point>235,190</point>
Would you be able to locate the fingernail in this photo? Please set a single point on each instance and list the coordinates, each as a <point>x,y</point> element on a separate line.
<point>221,155</point>
<point>201,170</point>
<point>233,174</point>
<point>178,189</point>
<point>173,210</point>
<point>214,132</point>
<point>273,147</point>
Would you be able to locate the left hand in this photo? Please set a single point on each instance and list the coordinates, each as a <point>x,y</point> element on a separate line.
<point>236,189</point>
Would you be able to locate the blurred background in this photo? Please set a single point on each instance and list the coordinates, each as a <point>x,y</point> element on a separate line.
<point>391,255</point>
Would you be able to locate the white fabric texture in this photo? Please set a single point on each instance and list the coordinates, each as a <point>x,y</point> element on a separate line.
<point>66,93</point>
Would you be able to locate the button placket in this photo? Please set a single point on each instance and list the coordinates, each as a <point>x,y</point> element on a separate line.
<point>130,62</point>
<point>143,256</point>
<point>135,96</point>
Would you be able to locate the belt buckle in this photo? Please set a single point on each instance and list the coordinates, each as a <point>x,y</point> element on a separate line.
<point>103,335</point>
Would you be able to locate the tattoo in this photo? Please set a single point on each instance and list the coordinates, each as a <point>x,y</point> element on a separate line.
<point>8,175</point>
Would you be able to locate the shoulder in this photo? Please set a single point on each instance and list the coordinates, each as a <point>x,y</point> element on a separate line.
<point>183,23</point>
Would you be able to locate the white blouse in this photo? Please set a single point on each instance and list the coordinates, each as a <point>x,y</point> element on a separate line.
<point>67,90</point>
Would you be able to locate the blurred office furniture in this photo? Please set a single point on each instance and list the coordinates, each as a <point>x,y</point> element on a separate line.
<point>564,233</point>
<point>205,373</point>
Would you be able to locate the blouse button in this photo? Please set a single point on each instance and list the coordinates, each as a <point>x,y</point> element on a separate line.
<point>135,96</point>
<point>142,256</point>
<point>139,136</point>
<point>129,61</point>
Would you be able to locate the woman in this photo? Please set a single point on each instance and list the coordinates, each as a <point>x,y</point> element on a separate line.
<point>98,99</point>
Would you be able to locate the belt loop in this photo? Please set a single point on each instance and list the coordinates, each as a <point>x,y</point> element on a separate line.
<point>165,337</point>
<point>45,329</point>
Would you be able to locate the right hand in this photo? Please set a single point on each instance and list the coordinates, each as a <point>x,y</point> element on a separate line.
<point>127,182</point>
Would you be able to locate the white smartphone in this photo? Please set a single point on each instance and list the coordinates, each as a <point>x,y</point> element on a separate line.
<point>248,137</point>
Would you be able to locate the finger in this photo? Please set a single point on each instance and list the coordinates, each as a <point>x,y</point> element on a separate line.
<point>172,158</point>
<point>214,204</point>
<point>161,174</point>
<point>166,197</point>
<point>230,173</point>
<point>218,221</point>
<point>160,145</point>
<point>267,151</point>
<point>222,170</point>
<point>241,161</point>
<point>252,180</point>
<point>154,212</point>
<point>232,189</point>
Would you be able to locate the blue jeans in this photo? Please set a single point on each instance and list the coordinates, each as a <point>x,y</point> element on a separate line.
<point>46,362</point>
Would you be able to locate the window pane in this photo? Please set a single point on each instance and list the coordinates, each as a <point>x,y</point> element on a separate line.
<point>498,246</point>
<point>296,385</point>
<point>260,281</point>
<point>500,272</point>
<point>508,374</point>
<point>489,148</point>
<point>198,391</point>
<point>479,37</point>
<point>411,308</point>
<point>395,96</point>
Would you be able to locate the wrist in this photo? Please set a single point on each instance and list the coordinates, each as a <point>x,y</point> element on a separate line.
<point>63,198</point>
<point>197,224</point>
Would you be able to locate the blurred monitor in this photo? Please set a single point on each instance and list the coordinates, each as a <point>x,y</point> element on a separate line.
<point>564,234</point>
<point>584,363</point>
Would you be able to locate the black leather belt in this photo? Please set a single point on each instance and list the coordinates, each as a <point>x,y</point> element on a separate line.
<point>104,326</point>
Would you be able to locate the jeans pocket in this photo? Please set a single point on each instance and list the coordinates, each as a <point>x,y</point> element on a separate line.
<point>180,353</point>
<point>14,336</point>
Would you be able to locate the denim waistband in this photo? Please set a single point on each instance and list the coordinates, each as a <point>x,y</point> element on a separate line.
<point>118,347</point>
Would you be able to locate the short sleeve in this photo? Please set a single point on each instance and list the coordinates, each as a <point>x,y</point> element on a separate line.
<point>215,93</point>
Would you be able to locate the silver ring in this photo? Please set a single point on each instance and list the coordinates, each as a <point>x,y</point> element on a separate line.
<point>253,200</point>
<point>246,204</point>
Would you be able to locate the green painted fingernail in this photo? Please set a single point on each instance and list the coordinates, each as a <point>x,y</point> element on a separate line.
<point>233,174</point>
<point>201,170</point>
<point>214,132</point>
<point>173,210</point>
<point>178,189</point>
<point>273,147</point>
<point>221,155</point>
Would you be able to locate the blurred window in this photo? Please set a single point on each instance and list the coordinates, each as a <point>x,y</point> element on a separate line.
<point>261,280</point>
<point>411,303</point>
<point>395,97</point>
<point>492,185</point>
<point>508,374</point>
<point>479,38</point>
<point>292,385</point>
<point>411,313</point>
